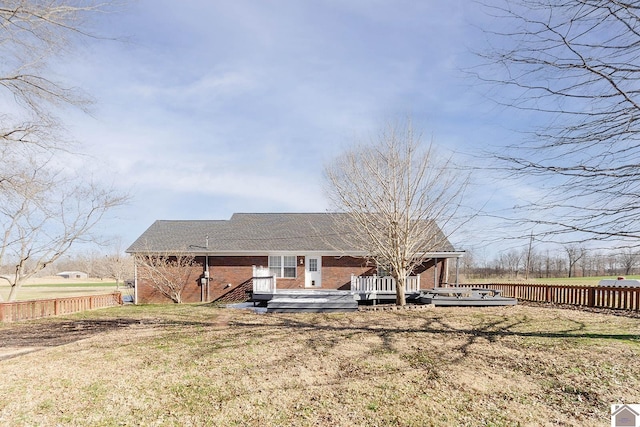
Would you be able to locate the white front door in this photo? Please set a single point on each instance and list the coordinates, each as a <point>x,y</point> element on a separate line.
<point>313,272</point>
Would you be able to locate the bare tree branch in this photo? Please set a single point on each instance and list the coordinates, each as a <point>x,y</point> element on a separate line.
<point>395,190</point>
<point>575,65</point>
<point>44,213</point>
<point>44,210</point>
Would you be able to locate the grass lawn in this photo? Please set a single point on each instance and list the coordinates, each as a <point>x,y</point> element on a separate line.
<point>180,365</point>
<point>61,288</point>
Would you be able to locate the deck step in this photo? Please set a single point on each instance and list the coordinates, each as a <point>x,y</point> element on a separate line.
<point>312,303</point>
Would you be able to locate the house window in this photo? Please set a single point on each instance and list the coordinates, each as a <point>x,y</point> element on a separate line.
<point>282,266</point>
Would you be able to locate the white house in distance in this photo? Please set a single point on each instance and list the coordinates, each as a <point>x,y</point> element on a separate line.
<point>73,275</point>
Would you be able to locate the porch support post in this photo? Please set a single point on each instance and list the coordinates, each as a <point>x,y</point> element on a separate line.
<point>445,265</point>
<point>457,272</point>
<point>435,272</point>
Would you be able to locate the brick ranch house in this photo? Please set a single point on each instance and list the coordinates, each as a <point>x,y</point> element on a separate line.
<point>302,250</point>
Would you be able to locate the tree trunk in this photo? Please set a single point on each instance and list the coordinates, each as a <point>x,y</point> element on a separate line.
<point>400,295</point>
<point>13,293</point>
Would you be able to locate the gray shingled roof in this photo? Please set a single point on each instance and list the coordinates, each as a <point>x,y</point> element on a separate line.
<point>254,233</point>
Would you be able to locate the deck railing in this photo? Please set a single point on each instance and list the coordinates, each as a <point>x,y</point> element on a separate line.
<point>36,309</point>
<point>587,296</point>
<point>382,284</point>
<point>263,280</point>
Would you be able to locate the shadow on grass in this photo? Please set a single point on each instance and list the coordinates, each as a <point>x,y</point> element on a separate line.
<point>32,336</point>
<point>439,325</point>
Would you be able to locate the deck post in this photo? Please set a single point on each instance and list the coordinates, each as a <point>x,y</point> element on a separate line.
<point>435,272</point>
<point>445,266</point>
<point>591,297</point>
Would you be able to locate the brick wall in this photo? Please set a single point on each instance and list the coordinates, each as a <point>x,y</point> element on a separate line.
<point>427,272</point>
<point>229,277</point>
<point>337,271</point>
<point>228,273</point>
<point>191,292</point>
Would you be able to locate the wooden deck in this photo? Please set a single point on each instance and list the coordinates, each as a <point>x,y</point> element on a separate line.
<point>439,297</point>
<point>361,297</point>
<point>364,290</point>
<point>370,290</point>
<point>586,296</point>
<point>465,296</point>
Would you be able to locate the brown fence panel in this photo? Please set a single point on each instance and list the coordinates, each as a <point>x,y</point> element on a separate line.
<point>36,309</point>
<point>587,296</point>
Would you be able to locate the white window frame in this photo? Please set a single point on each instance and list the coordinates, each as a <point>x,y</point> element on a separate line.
<point>282,265</point>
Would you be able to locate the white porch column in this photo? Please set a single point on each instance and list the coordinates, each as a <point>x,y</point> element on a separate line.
<point>435,272</point>
<point>446,270</point>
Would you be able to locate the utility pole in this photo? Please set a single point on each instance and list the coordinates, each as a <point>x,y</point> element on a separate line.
<point>526,273</point>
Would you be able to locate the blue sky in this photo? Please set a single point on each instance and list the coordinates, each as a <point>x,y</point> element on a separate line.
<point>206,108</point>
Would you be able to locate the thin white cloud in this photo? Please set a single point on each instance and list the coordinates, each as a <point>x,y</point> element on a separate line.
<point>232,105</point>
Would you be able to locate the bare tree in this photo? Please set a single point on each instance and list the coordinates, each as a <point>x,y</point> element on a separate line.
<point>512,260</point>
<point>33,34</point>
<point>42,216</point>
<point>118,266</point>
<point>628,259</point>
<point>168,274</point>
<point>574,254</point>
<point>573,66</point>
<point>45,209</point>
<point>397,192</point>
<point>599,264</point>
<point>586,264</point>
<point>89,261</point>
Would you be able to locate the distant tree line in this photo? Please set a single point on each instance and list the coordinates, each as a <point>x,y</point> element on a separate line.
<point>568,261</point>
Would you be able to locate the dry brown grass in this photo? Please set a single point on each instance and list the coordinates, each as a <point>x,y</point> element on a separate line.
<point>204,365</point>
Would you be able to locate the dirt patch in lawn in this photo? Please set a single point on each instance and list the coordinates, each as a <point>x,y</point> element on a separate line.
<point>26,337</point>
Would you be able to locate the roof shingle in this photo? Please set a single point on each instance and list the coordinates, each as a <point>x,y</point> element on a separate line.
<point>254,232</point>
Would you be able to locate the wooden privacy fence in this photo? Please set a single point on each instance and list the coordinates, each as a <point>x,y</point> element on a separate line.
<point>587,296</point>
<point>35,309</point>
